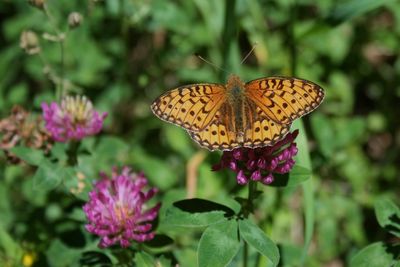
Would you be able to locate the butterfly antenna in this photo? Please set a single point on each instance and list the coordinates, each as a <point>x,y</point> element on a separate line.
<point>210,63</point>
<point>248,54</point>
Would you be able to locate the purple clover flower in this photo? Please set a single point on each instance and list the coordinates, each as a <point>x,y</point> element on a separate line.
<point>259,164</point>
<point>117,209</point>
<point>74,119</point>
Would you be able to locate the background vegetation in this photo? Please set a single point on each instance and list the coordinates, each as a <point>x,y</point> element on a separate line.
<point>125,53</point>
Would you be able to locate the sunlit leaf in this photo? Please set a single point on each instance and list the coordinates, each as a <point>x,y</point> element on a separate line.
<point>376,254</point>
<point>345,11</point>
<point>143,259</point>
<point>255,237</point>
<point>218,244</point>
<point>29,155</point>
<point>388,215</point>
<point>196,213</point>
<point>296,176</point>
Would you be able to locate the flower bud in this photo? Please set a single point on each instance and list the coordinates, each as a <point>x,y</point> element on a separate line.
<point>74,19</point>
<point>29,42</point>
<point>37,3</point>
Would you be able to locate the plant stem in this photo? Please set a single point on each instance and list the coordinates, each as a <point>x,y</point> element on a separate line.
<point>245,254</point>
<point>60,39</point>
<point>61,84</point>
<point>250,199</point>
<point>72,153</point>
<point>249,208</point>
<point>308,192</point>
<point>292,38</point>
<point>228,34</point>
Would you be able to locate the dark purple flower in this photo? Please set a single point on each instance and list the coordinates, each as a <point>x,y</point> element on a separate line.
<point>117,209</point>
<point>259,164</point>
<point>74,119</point>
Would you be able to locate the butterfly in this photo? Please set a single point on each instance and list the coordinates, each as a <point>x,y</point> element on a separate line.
<point>253,114</point>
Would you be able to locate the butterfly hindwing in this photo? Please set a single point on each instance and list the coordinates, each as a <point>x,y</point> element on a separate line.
<point>262,131</point>
<point>215,136</point>
<point>192,107</point>
<point>284,99</point>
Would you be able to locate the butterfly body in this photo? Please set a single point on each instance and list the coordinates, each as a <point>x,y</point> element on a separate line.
<point>253,114</point>
<point>235,107</point>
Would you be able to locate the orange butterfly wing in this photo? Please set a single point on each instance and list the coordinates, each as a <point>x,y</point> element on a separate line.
<point>284,99</point>
<point>192,107</point>
<point>262,131</point>
<point>216,136</point>
<point>266,113</point>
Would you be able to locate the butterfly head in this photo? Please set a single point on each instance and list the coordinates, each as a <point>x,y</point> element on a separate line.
<point>235,88</point>
<point>234,81</point>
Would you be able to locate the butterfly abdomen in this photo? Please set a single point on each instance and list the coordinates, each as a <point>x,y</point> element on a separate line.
<point>237,102</point>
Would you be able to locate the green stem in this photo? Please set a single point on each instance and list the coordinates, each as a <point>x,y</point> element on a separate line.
<point>292,38</point>
<point>60,38</point>
<point>250,198</point>
<point>247,210</point>
<point>228,34</point>
<point>61,84</point>
<point>245,254</point>
<point>72,153</point>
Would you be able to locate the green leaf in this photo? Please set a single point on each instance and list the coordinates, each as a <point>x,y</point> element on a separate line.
<point>296,176</point>
<point>58,151</point>
<point>376,254</point>
<point>388,215</point>
<point>292,254</point>
<point>218,244</point>
<point>309,216</point>
<point>179,140</point>
<point>60,255</point>
<point>77,214</point>
<point>323,130</point>
<point>8,245</point>
<point>142,259</point>
<point>159,241</point>
<point>46,176</point>
<point>95,258</point>
<point>29,155</point>
<point>255,237</point>
<point>303,157</point>
<point>159,172</point>
<point>353,8</point>
<point>111,146</point>
<point>49,175</point>
<point>18,94</point>
<point>196,213</point>
<point>163,262</point>
<point>7,210</point>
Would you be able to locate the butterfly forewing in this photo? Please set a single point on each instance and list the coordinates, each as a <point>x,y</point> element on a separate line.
<point>192,107</point>
<point>284,99</point>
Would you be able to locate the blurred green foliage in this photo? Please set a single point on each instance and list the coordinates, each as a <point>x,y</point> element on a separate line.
<point>125,53</point>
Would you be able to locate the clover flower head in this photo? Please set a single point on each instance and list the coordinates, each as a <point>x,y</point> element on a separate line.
<point>117,209</point>
<point>74,119</point>
<point>259,164</point>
